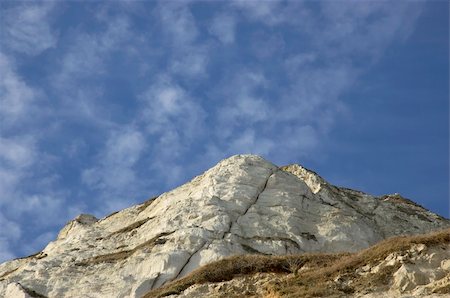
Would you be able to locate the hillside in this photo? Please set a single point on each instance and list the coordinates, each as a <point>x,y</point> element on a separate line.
<point>244,205</point>
<point>400,266</point>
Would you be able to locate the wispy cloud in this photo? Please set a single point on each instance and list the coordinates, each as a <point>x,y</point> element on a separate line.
<point>87,53</point>
<point>9,233</point>
<point>178,23</point>
<point>168,107</point>
<point>114,176</point>
<point>29,190</point>
<point>78,80</point>
<point>362,30</point>
<point>174,120</point>
<point>17,152</point>
<point>268,12</point>
<point>17,98</point>
<point>342,43</point>
<point>247,141</point>
<point>223,26</point>
<point>27,29</point>
<point>188,56</point>
<point>191,64</point>
<point>17,155</point>
<point>242,101</point>
<point>103,110</point>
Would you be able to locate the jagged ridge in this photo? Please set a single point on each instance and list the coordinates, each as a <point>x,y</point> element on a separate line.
<point>243,204</point>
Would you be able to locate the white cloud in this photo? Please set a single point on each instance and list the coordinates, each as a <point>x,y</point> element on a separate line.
<point>168,110</point>
<point>345,43</point>
<point>241,102</point>
<point>9,179</point>
<point>85,62</point>
<point>266,11</point>
<point>244,109</point>
<point>315,89</point>
<point>247,112</point>
<point>178,23</point>
<point>114,173</point>
<point>27,185</point>
<point>191,64</point>
<point>17,153</point>
<point>223,27</point>
<point>86,55</point>
<point>125,147</point>
<point>26,28</point>
<point>9,233</point>
<point>174,121</point>
<point>28,197</point>
<point>188,57</point>
<point>363,29</point>
<point>22,164</point>
<point>248,142</point>
<point>273,13</point>
<point>298,140</point>
<point>17,98</point>
<point>294,62</point>
<point>42,206</point>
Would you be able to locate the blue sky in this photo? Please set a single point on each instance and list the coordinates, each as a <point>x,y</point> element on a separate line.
<point>105,104</point>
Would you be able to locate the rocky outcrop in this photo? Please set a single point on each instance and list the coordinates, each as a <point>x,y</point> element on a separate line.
<point>15,290</point>
<point>416,266</point>
<point>242,205</point>
<point>421,270</point>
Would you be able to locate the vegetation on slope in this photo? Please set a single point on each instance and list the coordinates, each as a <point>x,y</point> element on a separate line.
<point>324,281</point>
<point>228,268</point>
<point>315,275</point>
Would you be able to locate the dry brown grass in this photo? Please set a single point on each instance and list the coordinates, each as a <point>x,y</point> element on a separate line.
<point>121,255</point>
<point>318,280</point>
<point>130,228</point>
<point>230,267</point>
<point>397,198</point>
<point>321,281</point>
<point>39,255</point>
<point>443,289</point>
<point>4,275</point>
<point>110,215</point>
<point>145,204</point>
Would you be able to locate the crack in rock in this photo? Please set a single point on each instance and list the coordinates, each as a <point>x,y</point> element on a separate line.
<point>189,259</point>
<point>230,226</point>
<point>272,172</point>
<point>154,280</point>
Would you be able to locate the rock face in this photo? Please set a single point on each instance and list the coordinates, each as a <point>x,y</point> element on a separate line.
<point>400,267</point>
<point>243,205</point>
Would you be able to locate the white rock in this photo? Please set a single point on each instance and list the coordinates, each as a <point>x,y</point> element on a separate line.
<point>445,264</point>
<point>242,205</point>
<point>15,290</point>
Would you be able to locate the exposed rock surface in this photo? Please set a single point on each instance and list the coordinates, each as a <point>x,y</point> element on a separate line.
<point>15,290</point>
<point>242,205</point>
<point>423,271</point>
<point>242,286</point>
<point>411,270</point>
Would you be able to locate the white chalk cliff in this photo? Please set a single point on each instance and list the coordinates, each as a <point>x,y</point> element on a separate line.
<point>243,205</point>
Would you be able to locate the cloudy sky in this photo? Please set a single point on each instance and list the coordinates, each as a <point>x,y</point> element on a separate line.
<point>105,104</point>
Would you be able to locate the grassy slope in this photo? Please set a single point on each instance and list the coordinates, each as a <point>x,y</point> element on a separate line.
<point>318,270</point>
